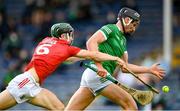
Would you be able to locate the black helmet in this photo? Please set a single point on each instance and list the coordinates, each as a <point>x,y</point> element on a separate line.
<point>60,28</point>
<point>127,12</point>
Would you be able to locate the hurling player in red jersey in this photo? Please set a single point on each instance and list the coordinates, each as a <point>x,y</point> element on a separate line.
<point>48,55</point>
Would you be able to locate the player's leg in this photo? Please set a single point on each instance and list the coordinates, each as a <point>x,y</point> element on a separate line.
<point>119,96</point>
<point>24,88</point>
<point>48,100</point>
<point>10,96</point>
<point>80,100</point>
<point>83,96</point>
<point>6,100</point>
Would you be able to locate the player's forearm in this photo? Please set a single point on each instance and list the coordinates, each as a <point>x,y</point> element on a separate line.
<point>96,56</point>
<point>73,59</point>
<point>137,69</point>
<point>99,57</point>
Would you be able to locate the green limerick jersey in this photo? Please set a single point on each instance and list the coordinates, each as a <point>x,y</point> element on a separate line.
<point>115,45</point>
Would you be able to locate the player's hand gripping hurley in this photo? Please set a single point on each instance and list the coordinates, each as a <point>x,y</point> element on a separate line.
<point>142,97</point>
<point>149,86</point>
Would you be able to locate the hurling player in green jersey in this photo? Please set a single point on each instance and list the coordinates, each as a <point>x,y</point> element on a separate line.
<point>111,39</point>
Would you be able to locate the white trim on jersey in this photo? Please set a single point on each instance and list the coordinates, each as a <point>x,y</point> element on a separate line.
<point>125,52</point>
<point>103,34</point>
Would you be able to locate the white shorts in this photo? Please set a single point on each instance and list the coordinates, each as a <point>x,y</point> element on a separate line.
<point>93,81</point>
<point>23,87</point>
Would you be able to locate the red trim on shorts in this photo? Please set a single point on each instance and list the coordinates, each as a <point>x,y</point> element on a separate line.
<point>24,82</point>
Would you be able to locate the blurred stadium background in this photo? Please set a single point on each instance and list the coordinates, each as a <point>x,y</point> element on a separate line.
<point>25,22</point>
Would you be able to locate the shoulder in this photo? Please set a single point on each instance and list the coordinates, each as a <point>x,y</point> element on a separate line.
<point>46,38</point>
<point>108,28</point>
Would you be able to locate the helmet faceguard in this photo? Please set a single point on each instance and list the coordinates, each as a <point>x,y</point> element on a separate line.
<point>63,28</point>
<point>127,12</point>
<point>70,37</point>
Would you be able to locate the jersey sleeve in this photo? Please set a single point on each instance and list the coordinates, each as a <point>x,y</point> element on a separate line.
<point>106,31</point>
<point>73,50</point>
<point>125,50</point>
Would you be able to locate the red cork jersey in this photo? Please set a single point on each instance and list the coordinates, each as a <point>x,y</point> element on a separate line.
<point>49,54</point>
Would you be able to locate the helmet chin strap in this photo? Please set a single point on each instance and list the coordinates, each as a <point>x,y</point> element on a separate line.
<point>67,36</point>
<point>123,23</point>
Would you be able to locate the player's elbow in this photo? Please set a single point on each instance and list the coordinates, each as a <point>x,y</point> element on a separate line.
<point>89,44</point>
